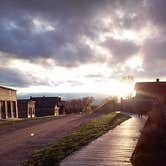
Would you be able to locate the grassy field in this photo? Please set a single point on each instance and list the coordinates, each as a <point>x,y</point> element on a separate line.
<point>9,122</point>
<point>54,153</point>
<point>15,121</point>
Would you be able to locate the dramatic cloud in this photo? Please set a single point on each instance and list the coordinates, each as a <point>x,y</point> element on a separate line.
<point>156,11</point>
<point>121,49</point>
<point>53,41</point>
<point>12,78</point>
<point>155,56</point>
<point>29,33</point>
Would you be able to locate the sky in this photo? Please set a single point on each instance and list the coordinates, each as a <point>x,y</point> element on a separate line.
<point>80,46</point>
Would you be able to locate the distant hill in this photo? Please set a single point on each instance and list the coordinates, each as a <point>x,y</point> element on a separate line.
<point>66,96</point>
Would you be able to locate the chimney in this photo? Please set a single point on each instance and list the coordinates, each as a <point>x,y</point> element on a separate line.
<point>157,80</point>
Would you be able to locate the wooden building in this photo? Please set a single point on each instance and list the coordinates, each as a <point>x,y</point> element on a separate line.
<point>46,106</point>
<point>8,103</point>
<point>26,108</point>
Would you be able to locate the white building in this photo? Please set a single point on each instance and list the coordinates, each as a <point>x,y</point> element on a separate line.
<point>8,103</point>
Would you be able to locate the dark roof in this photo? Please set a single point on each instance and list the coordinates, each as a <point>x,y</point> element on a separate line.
<point>45,97</point>
<point>7,88</point>
<point>24,101</point>
<point>46,101</point>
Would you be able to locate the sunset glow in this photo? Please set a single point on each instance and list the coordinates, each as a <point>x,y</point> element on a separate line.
<point>60,50</point>
<point>82,72</point>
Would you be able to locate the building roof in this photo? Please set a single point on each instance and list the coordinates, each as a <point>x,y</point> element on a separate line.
<point>7,88</point>
<point>24,100</point>
<point>46,102</point>
<point>140,85</point>
<point>151,89</point>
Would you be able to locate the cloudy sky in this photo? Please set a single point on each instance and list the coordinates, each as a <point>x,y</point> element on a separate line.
<point>81,45</point>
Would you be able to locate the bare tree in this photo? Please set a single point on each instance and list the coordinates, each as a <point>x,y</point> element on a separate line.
<point>79,105</point>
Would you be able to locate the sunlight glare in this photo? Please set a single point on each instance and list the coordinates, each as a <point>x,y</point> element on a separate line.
<point>135,63</point>
<point>91,78</point>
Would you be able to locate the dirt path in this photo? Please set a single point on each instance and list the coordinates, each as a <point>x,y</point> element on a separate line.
<point>17,142</point>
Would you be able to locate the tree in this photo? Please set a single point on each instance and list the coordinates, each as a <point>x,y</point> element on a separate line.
<point>78,105</point>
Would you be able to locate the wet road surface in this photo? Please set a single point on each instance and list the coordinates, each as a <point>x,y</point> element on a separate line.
<point>112,149</point>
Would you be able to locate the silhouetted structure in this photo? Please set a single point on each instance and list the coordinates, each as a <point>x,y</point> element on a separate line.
<point>62,107</point>
<point>8,103</point>
<point>46,106</point>
<point>128,105</point>
<point>150,149</point>
<point>26,108</point>
<point>148,94</point>
<point>151,89</point>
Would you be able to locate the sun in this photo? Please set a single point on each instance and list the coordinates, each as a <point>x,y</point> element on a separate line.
<point>125,90</point>
<point>120,88</point>
<point>135,63</point>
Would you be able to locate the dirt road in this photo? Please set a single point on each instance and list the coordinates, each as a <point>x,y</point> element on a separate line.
<point>17,142</point>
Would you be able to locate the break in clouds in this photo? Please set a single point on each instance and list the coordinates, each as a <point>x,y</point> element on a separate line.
<point>73,33</point>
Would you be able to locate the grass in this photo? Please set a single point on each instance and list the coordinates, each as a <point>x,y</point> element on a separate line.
<point>15,121</point>
<point>9,122</point>
<point>54,153</point>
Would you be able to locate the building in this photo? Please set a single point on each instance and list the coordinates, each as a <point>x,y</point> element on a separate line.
<point>151,90</point>
<point>26,108</point>
<point>46,106</point>
<point>149,94</point>
<point>8,103</point>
